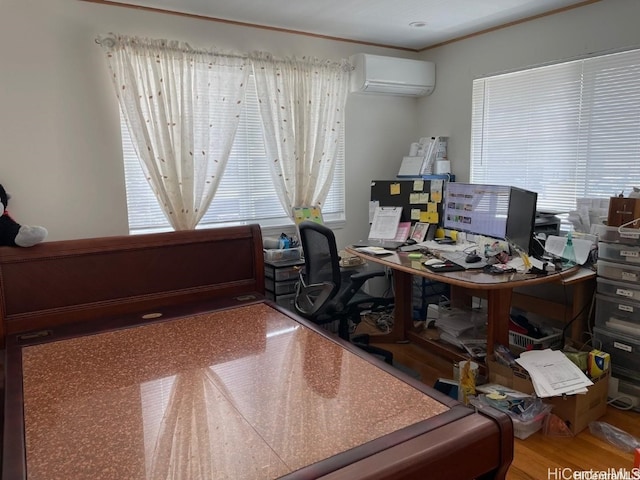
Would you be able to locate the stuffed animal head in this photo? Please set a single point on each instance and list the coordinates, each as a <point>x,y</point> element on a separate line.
<point>13,234</point>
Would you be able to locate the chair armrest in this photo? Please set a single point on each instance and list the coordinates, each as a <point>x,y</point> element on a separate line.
<point>364,276</point>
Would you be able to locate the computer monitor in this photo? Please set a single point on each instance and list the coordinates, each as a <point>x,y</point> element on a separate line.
<point>521,218</point>
<point>497,211</point>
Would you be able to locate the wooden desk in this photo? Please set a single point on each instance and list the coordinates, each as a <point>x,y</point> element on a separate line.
<point>166,383</point>
<point>498,289</point>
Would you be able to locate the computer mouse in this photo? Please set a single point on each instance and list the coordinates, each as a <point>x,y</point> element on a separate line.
<point>410,241</point>
<point>433,261</point>
<point>473,258</point>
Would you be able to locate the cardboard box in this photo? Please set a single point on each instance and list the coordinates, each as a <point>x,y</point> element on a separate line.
<point>578,410</point>
<point>575,410</point>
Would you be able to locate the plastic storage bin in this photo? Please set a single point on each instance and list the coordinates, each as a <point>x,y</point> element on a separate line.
<point>619,252</point>
<point>624,351</point>
<point>279,254</point>
<point>611,234</point>
<point>553,339</point>
<point>618,314</point>
<point>618,271</point>
<point>623,290</point>
<point>524,429</point>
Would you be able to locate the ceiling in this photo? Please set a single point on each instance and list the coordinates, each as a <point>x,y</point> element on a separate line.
<point>405,24</point>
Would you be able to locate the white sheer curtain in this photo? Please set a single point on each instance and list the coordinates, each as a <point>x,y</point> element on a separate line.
<point>302,104</point>
<point>182,108</point>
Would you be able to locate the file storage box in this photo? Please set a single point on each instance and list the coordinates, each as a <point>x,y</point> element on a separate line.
<point>618,271</point>
<point>620,290</point>
<point>630,236</point>
<point>618,314</point>
<point>619,252</point>
<point>623,349</point>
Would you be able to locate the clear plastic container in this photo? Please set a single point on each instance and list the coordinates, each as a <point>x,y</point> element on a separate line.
<point>618,271</point>
<point>618,314</point>
<point>612,235</point>
<point>624,350</point>
<point>619,252</point>
<point>622,290</point>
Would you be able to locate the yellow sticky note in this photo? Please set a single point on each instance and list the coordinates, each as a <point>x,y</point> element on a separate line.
<point>394,189</point>
<point>432,217</point>
<point>415,214</point>
<point>432,207</point>
<point>418,185</point>
<point>424,217</point>
<point>436,196</point>
<point>414,198</point>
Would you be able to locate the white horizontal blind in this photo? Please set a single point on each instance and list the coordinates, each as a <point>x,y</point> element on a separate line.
<point>246,193</point>
<point>566,131</point>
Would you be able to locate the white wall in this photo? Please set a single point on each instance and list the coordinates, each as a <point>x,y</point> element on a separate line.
<point>602,26</point>
<point>60,154</point>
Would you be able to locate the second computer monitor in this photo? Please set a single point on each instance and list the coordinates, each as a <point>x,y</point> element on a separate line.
<point>497,211</point>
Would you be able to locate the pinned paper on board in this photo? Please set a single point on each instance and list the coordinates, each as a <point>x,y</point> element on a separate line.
<point>385,223</point>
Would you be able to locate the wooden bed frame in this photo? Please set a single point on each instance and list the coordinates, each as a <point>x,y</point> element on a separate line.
<point>69,289</point>
<point>66,282</point>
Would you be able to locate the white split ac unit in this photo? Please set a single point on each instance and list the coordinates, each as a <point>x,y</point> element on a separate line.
<point>392,75</point>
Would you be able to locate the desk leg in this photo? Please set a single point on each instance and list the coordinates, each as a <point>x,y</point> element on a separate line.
<point>582,297</point>
<point>498,309</point>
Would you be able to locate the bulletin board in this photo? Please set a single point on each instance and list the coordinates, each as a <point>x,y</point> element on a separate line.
<point>421,200</point>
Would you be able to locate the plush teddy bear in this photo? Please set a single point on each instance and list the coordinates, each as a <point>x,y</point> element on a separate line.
<point>12,233</point>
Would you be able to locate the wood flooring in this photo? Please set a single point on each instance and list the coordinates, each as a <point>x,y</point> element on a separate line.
<point>540,457</point>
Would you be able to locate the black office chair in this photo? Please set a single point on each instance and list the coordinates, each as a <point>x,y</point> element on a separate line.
<point>326,293</point>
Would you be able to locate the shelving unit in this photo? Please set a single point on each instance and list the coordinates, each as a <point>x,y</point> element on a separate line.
<point>617,321</point>
<point>280,281</point>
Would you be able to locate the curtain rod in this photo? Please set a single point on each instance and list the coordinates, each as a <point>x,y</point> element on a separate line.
<point>110,41</point>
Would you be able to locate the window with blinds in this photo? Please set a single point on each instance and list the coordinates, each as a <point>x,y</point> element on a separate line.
<point>565,131</point>
<point>246,193</point>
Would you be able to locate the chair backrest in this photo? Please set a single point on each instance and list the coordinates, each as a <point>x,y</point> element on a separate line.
<point>321,278</point>
<point>321,259</point>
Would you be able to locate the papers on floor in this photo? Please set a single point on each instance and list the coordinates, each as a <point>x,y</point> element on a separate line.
<point>553,374</point>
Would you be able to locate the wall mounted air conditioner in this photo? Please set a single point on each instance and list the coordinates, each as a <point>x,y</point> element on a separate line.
<point>392,75</point>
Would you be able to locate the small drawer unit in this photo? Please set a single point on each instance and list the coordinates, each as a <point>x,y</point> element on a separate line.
<point>618,314</point>
<point>619,252</point>
<point>623,349</point>
<point>285,270</point>
<point>281,280</point>
<point>280,288</point>
<point>285,301</point>
<point>619,290</point>
<point>618,271</point>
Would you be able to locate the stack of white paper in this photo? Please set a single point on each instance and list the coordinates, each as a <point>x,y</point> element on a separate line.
<point>553,374</point>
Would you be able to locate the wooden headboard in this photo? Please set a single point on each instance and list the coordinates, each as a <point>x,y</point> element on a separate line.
<point>64,282</point>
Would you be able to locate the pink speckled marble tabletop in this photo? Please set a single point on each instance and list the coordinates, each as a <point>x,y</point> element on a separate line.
<point>245,393</point>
